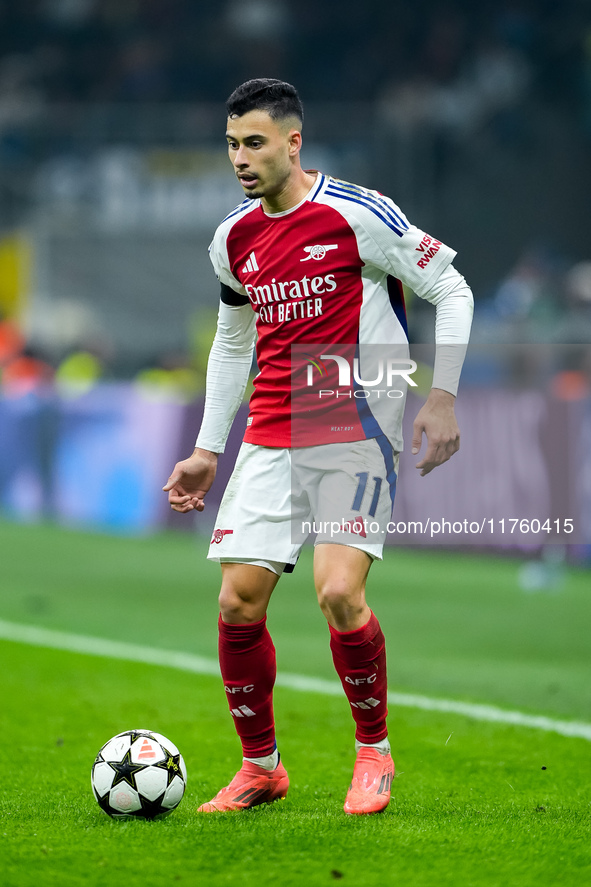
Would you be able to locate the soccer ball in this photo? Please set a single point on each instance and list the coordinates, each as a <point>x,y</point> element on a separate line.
<point>138,774</point>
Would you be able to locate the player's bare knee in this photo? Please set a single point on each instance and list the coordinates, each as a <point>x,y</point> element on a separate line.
<point>336,597</point>
<point>242,603</point>
<point>234,607</point>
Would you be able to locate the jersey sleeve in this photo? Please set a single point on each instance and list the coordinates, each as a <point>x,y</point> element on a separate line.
<point>218,253</point>
<point>390,242</point>
<point>228,368</point>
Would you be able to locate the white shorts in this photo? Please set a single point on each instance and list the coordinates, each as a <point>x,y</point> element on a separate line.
<point>276,497</point>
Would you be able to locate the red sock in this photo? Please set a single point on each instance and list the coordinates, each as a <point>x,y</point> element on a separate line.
<point>359,657</point>
<point>247,662</point>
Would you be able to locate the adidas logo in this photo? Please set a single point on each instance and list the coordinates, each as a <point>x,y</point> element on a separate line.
<point>251,264</point>
<point>385,784</point>
<point>147,751</point>
<point>369,703</point>
<point>243,712</point>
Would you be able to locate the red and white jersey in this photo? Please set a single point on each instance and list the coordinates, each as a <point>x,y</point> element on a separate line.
<point>327,272</point>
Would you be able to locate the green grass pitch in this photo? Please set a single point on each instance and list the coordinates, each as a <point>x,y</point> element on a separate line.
<point>473,803</point>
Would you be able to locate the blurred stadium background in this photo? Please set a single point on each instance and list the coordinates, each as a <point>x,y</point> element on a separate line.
<point>475,118</point>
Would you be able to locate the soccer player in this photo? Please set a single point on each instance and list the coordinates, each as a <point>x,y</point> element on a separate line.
<point>308,260</point>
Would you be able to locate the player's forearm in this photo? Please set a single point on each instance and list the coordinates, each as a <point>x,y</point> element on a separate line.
<point>454,305</point>
<point>228,367</point>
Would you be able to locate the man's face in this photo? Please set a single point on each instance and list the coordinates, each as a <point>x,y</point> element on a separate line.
<point>262,152</point>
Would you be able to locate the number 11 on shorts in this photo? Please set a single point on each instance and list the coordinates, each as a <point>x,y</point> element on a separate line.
<point>360,492</point>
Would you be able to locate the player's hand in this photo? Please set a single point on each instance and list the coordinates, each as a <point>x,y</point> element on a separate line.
<point>190,481</point>
<point>437,420</point>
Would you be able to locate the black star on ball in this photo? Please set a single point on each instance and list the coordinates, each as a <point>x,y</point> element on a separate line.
<point>172,766</point>
<point>125,770</point>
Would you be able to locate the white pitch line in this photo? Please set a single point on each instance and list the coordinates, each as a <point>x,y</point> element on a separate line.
<point>77,643</point>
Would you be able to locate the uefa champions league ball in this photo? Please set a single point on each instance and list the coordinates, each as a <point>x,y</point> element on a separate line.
<point>138,775</point>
